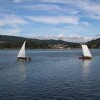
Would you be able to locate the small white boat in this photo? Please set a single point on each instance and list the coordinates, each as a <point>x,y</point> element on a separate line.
<point>86,52</point>
<point>22,54</point>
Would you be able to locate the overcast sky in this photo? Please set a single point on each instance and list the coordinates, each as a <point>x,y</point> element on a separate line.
<point>69,20</point>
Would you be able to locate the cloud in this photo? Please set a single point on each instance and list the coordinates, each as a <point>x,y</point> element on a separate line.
<point>51,8</point>
<point>61,36</point>
<point>11,24</point>
<point>17,1</point>
<point>78,38</point>
<point>97,35</point>
<point>55,1</point>
<point>12,20</point>
<point>55,19</point>
<point>85,23</point>
<point>44,7</point>
<point>21,1</point>
<point>89,8</point>
<point>95,17</point>
<point>59,16</point>
<point>69,38</point>
<point>13,32</point>
<point>86,8</point>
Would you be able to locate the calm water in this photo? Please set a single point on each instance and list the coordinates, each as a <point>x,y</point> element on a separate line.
<point>51,75</point>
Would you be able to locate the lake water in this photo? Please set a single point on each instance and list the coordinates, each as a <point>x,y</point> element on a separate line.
<point>51,75</point>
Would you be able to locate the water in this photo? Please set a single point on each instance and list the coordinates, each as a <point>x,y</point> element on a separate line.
<point>51,75</point>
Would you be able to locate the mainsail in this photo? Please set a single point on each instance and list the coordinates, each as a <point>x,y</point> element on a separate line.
<point>22,53</point>
<point>86,52</point>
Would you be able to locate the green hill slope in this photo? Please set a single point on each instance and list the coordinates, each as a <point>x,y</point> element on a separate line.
<point>16,42</point>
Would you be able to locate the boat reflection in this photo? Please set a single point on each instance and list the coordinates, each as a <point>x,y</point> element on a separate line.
<point>22,69</point>
<point>86,68</point>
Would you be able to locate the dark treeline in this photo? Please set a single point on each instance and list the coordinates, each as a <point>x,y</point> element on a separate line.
<point>94,43</point>
<point>55,42</point>
<point>16,42</point>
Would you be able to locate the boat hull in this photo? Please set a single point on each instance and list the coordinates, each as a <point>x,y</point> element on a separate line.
<point>21,58</point>
<point>26,58</point>
<point>85,58</point>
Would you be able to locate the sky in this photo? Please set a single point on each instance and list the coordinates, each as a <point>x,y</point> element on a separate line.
<point>69,20</point>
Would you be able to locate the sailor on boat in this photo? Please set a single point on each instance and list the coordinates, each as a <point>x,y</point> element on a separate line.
<point>29,58</point>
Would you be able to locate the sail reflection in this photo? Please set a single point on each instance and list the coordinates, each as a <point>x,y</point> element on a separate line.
<point>86,67</point>
<point>22,69</point>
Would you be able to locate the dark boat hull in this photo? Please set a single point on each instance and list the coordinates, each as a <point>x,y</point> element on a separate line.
<point>26,58</point>
<point>85,58</point>
<point>21,58</point>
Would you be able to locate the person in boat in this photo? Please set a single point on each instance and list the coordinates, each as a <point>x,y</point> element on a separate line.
<point>82,56</point>
<point>29,58</point>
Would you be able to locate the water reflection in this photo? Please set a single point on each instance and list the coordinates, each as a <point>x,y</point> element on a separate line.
<point>86,67</point>
<point>22,69</point>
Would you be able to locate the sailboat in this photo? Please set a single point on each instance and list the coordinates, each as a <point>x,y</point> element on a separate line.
<point>86,52</point>
<point>22,54</point>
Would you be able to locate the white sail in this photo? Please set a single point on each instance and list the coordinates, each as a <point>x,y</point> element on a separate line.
<point>86,52</point>
<point>22,51</point>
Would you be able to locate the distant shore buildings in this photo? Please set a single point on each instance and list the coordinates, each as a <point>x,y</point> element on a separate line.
<point>2,42</point>
<point>59,46</point>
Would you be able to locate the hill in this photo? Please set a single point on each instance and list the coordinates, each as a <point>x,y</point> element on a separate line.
<point>55,42</point>
<point>16,42</point>
<point>94,43</point>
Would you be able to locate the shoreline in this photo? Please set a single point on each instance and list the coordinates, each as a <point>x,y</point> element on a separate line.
<point>45,49</point>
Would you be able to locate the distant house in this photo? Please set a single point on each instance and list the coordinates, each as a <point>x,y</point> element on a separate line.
<point>3,42</point>
<point>58,46</point>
